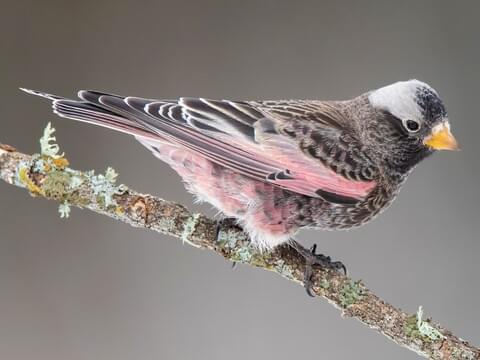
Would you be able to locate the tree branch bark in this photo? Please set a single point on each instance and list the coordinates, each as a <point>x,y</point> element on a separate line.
<point>49,176</point>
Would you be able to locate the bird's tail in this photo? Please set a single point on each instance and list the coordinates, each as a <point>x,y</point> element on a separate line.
<point>86,112</point>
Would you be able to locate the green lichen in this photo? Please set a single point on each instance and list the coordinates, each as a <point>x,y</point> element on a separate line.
<point>49,165</point>
<point>103,187</point>
<point>56,184</point>
<point>416,327</point>
<point>350,293</point>
<point>48,147</point>
<point>324,284</point>
<point>411,328</point>
<point>189,228</point>
<point>40,164</point>
<point>243,254</point>
<point>283,269</point>
<point>111,175</point>
<point>64,210</point>
<point>47,175</point>
<point>425,328</point>
<point>65,184</point>
<point>75,182</point>
<point>227,238</point>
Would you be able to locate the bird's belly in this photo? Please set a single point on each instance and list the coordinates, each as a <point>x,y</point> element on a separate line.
<point>261,208</point>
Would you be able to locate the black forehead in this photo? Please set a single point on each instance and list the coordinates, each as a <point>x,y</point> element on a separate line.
<point>430,104</point>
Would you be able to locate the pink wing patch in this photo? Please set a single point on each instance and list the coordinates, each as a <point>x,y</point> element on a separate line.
<point>296,171</point>
<point>276,160</point>
<point>308,174</point>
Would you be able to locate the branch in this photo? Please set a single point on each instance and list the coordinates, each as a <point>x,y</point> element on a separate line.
<point>48,175</point>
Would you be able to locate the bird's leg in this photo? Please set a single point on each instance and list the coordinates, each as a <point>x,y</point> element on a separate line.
<point>226,221</point>
<point>312,258</point>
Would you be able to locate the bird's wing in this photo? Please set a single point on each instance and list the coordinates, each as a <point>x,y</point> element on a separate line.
<point>241,136</point>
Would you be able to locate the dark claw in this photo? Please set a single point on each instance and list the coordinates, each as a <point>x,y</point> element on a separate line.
<point>217,229</point>
<point>312,258</point>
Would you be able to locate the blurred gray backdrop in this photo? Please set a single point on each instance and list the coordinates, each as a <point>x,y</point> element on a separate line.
<point>92,288</point>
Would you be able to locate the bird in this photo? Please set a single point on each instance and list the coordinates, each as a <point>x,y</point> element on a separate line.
<point>278,166</point>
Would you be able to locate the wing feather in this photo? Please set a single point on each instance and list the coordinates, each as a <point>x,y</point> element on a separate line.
<point>241,136</point>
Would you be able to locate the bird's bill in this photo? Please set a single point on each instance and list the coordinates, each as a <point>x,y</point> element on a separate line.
<point>441,138</point>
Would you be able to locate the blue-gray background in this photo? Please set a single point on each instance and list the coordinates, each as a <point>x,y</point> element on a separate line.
<point>93,288</point>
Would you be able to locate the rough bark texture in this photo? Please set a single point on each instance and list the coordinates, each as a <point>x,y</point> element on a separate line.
<point>50,177</point>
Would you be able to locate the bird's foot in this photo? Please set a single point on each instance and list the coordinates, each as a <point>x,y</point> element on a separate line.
<point>311,259</point>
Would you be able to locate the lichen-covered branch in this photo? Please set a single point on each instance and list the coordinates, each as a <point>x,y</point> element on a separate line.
<point>48,175</point>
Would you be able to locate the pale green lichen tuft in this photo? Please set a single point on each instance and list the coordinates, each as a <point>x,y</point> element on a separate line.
<point>64,210</point>
<point>243,254</point>
<point>111,175</point>
<point>425,329</point>
<point>283,269</point>
<point>350,293</point>
<point>188,228</point>
<point>411,328</point>
<point>227,238</point>
<point>103,186</point>
<point>48,147</point>
<point>416,327</point>
<point>324,284</point>
<point>75,182</point>
<point>56,184</point>
<point>48,175</point>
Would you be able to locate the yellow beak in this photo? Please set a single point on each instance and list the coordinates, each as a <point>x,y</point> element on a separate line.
<point>441,138</point>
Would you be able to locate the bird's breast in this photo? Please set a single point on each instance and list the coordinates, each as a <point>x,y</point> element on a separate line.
<point>323,213</point>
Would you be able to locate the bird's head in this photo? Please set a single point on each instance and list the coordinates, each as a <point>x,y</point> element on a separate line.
<point>413,121</point>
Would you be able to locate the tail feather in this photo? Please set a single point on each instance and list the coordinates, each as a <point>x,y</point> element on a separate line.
<point>88,112</point>
<point>42,94</point>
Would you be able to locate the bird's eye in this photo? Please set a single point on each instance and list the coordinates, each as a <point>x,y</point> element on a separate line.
<point>411,125</point>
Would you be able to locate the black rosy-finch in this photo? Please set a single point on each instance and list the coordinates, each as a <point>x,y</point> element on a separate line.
<point>279,166</point>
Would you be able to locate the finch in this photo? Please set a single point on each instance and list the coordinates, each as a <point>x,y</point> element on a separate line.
<point>279,166</point>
